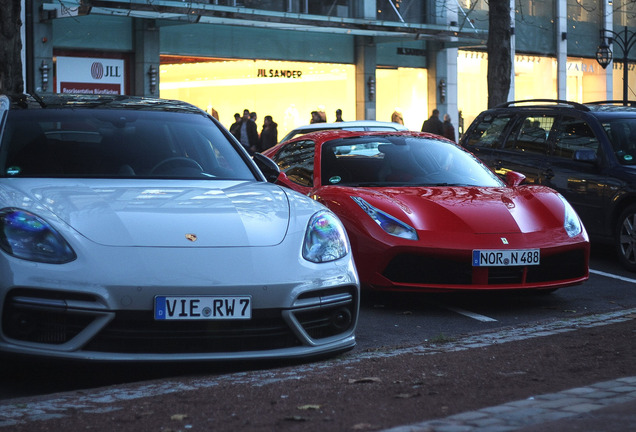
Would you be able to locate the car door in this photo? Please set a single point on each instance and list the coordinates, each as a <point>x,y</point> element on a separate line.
<point>575,170</point>
<point>526,147</point>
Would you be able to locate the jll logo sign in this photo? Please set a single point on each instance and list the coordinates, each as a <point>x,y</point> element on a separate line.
<point>99,71</point>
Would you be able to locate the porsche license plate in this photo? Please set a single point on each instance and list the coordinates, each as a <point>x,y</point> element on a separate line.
<point>203,308</point>
<point>502,258</point>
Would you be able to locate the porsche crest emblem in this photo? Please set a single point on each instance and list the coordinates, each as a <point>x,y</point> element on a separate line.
<point>191,237</point>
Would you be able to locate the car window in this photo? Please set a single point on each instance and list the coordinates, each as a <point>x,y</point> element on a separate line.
<point>401,160</point>
<point>530,134</point>
<point>573,134</point>
<point>95,143</point>
<point>622,136</point>
<point>296,160</point>
<point>488,132</point>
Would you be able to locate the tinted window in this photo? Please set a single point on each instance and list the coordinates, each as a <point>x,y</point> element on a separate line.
<point>622,135</point>
<point>296,160</point>
<point>573,134</point>
<point>400,160</point>
<point>530,134</point>
<point>95,143</point>
<point>488,132</point>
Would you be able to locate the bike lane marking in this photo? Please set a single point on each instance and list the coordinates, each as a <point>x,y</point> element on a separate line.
<point>469,314</point>
<point>613,276</point>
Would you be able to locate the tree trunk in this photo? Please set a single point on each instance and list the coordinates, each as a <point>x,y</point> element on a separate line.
<point>499,52</point>
<point>11,81</point>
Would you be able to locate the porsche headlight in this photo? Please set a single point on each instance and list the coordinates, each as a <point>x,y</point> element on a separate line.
<point>387,222</point>
<point>26,236</point>
<point>325,238</point>
<point>571,221</point>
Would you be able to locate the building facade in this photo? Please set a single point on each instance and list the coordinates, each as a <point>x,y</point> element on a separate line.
<point>286,58</point>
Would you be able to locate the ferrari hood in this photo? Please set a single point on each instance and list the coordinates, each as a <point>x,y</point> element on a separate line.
<point>123,213</point>
<point>472,209</point>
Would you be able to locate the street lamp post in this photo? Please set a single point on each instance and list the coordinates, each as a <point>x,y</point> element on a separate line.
<point>625,40</point>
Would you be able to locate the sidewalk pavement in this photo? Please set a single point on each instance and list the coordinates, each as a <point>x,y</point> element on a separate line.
<point>608,406</point>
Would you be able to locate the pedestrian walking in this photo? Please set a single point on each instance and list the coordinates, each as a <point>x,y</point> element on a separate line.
<point>339,115</point>
<point>433,124</point>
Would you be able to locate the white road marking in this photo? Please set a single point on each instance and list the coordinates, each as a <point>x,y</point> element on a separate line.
<point>469,314</point>
<point>613,276</point>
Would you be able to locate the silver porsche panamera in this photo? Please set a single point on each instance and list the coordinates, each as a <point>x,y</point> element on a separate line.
<point>139,229</point>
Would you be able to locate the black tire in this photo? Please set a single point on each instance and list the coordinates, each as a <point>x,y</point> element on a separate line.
<point>625,239</point>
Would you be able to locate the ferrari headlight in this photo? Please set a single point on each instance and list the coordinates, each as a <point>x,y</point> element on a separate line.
<point>26,236</point>
<point>325,238</point>
<point>571,221</point>
<point>387,222</point>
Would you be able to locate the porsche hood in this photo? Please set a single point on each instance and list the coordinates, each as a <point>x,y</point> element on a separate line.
<point>226,214</point>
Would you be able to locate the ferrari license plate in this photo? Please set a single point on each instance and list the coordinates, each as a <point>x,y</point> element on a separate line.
<point>503,258</point>
<point>203,308</point>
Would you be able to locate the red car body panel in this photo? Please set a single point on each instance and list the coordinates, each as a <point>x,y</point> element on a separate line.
<point>451,222</point>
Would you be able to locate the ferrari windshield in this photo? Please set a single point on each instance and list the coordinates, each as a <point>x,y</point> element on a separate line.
<point>401,160</point>
<point>120,143</point>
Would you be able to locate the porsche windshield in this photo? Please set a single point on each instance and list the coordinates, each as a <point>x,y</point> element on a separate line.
<point>108,143</point>
<point>393,160</point>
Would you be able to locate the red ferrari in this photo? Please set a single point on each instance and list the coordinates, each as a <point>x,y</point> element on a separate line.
<point>423,214</point>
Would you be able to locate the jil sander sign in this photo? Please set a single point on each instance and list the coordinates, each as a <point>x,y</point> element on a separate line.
<point>86,75</point>
<point>278,73</point>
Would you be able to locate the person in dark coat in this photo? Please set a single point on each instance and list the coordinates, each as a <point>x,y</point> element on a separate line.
<point>248,133</point>
<point>448,128</point>
<point>269,134</point>
<point>234,128</point>
<point>433,124</point>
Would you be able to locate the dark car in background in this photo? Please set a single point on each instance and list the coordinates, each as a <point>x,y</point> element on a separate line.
<point>587,152</point>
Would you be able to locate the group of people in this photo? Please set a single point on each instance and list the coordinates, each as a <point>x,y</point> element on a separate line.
<point>321,117</point>
<point>245,130</point>
<point>436,126</point>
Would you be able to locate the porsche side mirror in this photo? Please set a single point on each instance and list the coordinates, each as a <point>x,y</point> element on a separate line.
<point>267,166</point>
<point>514,178</point>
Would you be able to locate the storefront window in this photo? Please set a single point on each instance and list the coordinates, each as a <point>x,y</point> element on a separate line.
<point>402,91</point>
<point>585,80</point>
<point>535,77</point>
<point>624,13</point>
<point>288,91</point>
<point>617,77</point>
<point>412,11</point>
<point>339,8</point>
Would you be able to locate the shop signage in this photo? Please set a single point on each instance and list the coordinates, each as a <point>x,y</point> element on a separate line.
<point>278,73</point>
<point>411,51</point>
<point>580,67</point>
<point>85,75</point>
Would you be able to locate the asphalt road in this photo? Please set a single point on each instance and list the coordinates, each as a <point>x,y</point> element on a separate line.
<point>386,322</point>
